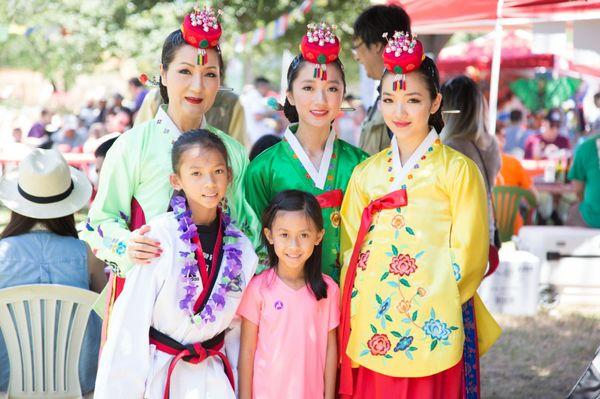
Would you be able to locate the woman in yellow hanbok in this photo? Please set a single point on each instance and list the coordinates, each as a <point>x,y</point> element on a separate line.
<point>415,247</point>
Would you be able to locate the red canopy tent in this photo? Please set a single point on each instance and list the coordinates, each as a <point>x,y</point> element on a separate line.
<point>516,54</point>
<point>449,16</point>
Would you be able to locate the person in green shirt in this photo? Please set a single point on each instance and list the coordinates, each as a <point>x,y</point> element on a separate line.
<point>134,182</point>
<point>310,157</point>
<point>585,174</point>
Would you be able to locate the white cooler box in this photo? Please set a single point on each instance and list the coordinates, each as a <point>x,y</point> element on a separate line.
<point>514,287</point>
<point>570,261</point>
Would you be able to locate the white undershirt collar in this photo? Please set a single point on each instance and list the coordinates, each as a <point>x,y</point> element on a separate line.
<point>401,171</point>
<point>318,176</point>
<point>168,126</point>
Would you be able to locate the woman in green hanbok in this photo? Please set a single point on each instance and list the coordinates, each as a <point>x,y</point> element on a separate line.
<point>310,157</point>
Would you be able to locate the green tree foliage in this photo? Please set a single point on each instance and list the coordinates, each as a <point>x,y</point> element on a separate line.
<point>70,37</point>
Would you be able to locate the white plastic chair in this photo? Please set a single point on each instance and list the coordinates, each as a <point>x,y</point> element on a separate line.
<point>43,327</point>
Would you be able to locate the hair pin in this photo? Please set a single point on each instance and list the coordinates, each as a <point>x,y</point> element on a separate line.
<point>451,111</point>
<point>347,109</point>
<point>224,88</point>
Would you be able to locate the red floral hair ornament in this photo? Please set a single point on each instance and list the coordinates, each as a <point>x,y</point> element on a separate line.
<point>147,80</point>
<point>321,46</point>
<point>201,29</point>
<point>403,54</point>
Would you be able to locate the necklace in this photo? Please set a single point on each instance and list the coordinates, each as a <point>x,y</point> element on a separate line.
<point>231,275</point>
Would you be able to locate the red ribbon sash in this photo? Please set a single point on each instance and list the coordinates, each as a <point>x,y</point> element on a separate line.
<point>392,200</point>
<point>195,353</point>
<point>331,199</point>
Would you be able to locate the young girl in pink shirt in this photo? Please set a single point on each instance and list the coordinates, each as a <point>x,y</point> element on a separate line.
<point>290,312</point>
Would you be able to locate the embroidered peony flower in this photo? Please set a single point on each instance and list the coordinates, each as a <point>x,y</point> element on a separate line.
<point>335,219</point>
<point>436,329</point>
<point>421,291</point>
<point>403,306</point>
<point>403,344</point>
<point>363,258</point>
<point>403,265</point>
<point>379,344</point>
<point>398,222</point>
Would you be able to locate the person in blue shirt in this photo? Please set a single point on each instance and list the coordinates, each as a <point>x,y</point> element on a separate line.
<point>40,244</point>
<point>515,133</point>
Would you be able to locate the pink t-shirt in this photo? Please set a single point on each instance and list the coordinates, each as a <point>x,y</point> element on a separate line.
<point>292,336</point>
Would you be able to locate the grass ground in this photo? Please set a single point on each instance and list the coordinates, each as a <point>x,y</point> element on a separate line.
<point>539,357</point>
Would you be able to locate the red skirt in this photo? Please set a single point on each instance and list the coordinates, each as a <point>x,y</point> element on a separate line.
<point>448,384</point>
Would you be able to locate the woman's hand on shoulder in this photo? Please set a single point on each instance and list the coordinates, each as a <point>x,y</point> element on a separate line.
<point>141,249</point>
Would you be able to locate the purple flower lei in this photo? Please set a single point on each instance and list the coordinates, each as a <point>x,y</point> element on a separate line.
<point>231,275</point>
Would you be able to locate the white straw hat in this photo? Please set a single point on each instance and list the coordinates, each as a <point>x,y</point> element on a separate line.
<point>46,187</point>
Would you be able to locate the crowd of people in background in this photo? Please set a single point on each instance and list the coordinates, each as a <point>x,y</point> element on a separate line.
<point>83,131</point>
<point>250,118</point>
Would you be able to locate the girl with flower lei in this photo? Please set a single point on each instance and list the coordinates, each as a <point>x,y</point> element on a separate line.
<point>414,245</point>
<point>134,183</point>
<point>188,297</point>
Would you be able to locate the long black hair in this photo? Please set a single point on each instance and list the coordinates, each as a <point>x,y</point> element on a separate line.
<point>20,224</point>
<point>172,43</point>
<point>431,76</point>
<point>289,110</point>
<point>296,200</point>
